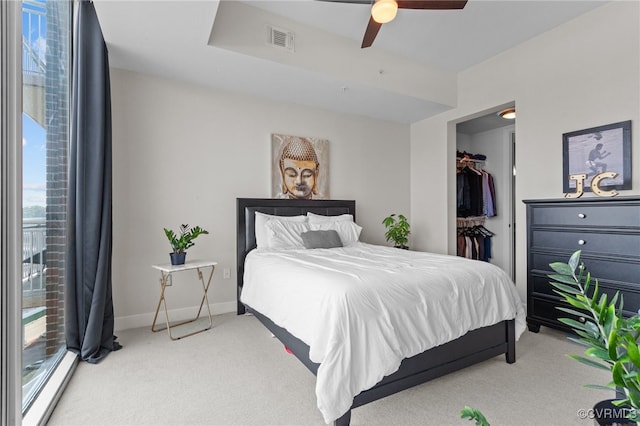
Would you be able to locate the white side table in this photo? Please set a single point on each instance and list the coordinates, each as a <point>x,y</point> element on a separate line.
<point>167,270</point>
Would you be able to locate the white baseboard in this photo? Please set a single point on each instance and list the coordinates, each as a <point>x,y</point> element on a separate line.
<point>145,320</point>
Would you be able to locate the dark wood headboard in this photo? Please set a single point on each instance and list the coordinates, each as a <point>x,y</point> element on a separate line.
<point>245,222</point>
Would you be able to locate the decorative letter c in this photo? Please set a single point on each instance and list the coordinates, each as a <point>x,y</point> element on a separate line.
<point>595,184</point>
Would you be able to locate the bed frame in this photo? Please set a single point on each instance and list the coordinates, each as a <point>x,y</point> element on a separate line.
<point>474,347</point>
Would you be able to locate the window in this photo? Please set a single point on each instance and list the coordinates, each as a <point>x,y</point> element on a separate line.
<point>46,76</point>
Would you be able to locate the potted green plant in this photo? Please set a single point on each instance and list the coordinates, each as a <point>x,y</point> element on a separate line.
<point>611,342</point>
<point>180,243</point>
<point>610,338</point>
<point>398,230</point>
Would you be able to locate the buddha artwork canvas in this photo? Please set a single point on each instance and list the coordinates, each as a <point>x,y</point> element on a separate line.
<point>300,167</point>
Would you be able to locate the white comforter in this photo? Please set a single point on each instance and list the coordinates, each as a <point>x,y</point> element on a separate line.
<point>363,309</point>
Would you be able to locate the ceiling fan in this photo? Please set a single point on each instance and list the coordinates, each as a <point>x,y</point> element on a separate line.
<point>383,11</point>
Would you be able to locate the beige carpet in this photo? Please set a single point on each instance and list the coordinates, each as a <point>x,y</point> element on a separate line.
<point>237,374</point>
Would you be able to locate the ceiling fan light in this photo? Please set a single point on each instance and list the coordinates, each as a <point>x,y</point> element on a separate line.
<point>384,11</point>
<point>508,114</point>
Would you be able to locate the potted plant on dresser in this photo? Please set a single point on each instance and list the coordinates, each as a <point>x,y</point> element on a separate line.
<point>398,230</point>
<point>611,339</point>
<point>180,243</point>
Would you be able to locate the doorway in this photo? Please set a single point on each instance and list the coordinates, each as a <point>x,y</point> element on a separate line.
<point>492,137</point>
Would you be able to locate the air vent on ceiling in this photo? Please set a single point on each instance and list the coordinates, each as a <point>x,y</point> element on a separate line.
<point>281,38</point>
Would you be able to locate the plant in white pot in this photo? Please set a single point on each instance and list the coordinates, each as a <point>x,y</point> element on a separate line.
<point>182,241</point>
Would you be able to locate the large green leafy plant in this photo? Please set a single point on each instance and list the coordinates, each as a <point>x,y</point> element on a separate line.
<point>398,230</point>
<point>181,242</point>
<point>611,340</point>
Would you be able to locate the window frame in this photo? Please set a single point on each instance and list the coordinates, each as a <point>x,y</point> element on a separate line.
<point>10,211</point>
<point>11,236</point>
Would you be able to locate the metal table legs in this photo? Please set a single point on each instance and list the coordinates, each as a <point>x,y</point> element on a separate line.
<point>166,276</point>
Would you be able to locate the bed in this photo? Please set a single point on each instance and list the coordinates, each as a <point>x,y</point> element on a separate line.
<point>473,346</point>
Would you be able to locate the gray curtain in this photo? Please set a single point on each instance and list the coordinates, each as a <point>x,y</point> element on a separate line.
<point>88,304</point>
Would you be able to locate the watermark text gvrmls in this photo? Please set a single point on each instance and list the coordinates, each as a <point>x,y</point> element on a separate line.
<point>606,412</point>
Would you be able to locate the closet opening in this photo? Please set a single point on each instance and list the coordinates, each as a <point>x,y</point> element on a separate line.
<point>485,189</point>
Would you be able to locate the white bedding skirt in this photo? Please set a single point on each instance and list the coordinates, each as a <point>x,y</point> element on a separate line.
<point>363,309</point>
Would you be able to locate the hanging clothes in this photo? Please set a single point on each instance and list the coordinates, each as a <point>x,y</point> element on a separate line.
<point>476,200</point>
<point>475,194</point>
<point>469,185</point>
<point>488,195</point>
<point>474,242</point>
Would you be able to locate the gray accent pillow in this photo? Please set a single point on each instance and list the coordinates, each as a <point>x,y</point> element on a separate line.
<point>321,239</point>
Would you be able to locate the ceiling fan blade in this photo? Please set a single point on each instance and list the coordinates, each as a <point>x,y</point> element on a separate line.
<point>371,32</point>
<point>431,4</point>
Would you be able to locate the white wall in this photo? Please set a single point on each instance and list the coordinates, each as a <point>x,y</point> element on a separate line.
<point>182,154</point>
<point>580,75</point>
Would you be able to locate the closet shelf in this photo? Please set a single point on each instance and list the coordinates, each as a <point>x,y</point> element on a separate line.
<point>466,222</point>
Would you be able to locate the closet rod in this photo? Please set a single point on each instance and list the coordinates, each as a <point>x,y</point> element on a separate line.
<point>469,160</point>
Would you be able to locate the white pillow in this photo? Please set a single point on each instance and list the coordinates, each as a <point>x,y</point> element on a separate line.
<point>349,231</point>
<point>282,235</point>
<point>318,218</point>
<point>262,240</point>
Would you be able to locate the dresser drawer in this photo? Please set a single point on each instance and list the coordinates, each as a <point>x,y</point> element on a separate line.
<point>631,298</point>
<point>587,215</point>
<point>589,242</point>
<point>547,310</point>
<point>614,269</point>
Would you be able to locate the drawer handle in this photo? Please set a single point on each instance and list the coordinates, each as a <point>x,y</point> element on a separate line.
<point>582,242</point>
<point>582,215</point>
